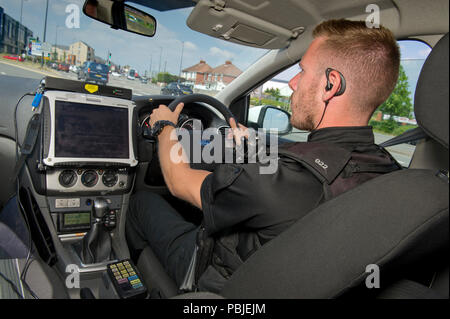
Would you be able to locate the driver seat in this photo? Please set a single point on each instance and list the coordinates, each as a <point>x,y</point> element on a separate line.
<point>397,223</point>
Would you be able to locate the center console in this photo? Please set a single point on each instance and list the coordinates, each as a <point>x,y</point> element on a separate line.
<point>78,180</point>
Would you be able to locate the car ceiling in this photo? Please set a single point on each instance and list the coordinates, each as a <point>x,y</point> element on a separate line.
<point>273,24</point>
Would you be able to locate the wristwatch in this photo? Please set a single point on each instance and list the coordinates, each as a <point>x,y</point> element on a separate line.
<point>159,126</point>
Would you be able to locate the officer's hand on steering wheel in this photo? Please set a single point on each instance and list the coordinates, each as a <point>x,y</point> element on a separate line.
<point>163,113</point>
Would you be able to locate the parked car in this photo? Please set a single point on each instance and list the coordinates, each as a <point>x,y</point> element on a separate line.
<point>94,72</point>
<point>176,89</point>
<point>144,80</point>
<point>63,67</point>
<point>74,68</point>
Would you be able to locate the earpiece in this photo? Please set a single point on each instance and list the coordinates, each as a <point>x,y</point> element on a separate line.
<point>329,85</point>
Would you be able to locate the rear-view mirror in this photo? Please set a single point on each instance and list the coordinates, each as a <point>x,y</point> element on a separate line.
<point>121,16</point>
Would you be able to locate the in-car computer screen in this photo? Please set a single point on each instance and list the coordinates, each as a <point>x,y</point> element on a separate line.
<point>91,131</point>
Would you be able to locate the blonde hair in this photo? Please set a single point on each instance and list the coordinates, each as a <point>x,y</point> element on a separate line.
<point>369,59</point>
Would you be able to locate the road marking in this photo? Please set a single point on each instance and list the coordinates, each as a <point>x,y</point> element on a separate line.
<point>3,73</point>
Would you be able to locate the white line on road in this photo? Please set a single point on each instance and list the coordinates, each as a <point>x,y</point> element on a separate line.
<point>3,73</point>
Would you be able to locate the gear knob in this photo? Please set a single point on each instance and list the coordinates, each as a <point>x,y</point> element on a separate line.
<point>100,207</point>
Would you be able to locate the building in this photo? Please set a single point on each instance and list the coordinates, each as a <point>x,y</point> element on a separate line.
<point>221,76</point>
<point>196,74</point>
<point>204,76</point>
<point>13,35</point>
<point>282,85</point>
<point>82,51</point>
<point>61,53</point>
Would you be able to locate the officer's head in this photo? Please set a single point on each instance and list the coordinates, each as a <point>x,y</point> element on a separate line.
<point>363,65</point>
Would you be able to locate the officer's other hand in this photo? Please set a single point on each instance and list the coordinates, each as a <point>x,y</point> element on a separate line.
<point>237,132</point>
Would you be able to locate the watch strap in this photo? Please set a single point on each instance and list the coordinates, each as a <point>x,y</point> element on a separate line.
<point>159,126</point>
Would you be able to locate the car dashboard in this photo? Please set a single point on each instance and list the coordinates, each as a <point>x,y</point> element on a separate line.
<point>60,188</point>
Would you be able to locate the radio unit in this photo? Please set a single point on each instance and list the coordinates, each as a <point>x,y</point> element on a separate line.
<point>74,222</point>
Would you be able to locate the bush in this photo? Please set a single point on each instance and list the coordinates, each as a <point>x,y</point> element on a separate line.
<point>403,128</point>
<point>390,126</point>
<point>256,101</point>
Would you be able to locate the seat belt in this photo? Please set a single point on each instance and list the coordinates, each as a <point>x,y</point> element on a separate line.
<point>408,136</point>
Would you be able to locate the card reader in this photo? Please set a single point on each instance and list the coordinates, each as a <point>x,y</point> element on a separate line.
<point>126,280</point>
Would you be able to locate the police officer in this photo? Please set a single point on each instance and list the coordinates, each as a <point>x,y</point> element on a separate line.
<point>346,73</point>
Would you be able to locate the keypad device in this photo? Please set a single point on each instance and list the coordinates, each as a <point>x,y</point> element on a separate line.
<point>126,280</point>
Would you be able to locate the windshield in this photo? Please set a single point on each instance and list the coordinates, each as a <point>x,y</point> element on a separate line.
<point>177,54</point>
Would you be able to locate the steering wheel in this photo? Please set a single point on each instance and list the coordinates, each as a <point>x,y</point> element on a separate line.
<point>215,103</point>
<point>219,106</point>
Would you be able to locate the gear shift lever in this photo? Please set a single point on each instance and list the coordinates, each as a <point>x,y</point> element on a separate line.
<point>97,241</point>
<point>100,207</point>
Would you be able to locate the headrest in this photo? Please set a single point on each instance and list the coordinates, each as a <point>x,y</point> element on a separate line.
<point>431,101</point>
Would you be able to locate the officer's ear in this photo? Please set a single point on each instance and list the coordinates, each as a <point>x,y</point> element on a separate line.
<point>335,84</point>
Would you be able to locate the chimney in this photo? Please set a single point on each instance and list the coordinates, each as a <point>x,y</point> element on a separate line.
<point>227,62</point>
<point>202,61</point>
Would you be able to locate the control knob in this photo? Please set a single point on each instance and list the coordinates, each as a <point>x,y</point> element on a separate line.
<point>67,178</point>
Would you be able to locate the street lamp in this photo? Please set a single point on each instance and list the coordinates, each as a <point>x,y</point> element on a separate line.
<point>151,65</point>
<point>45,31</point>
<point>56,43</point>
<point>21,10</point>
<point>181,60</point>
<point>20,25</point>
<point>160,57</point>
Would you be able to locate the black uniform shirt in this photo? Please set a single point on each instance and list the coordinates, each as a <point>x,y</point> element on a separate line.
<point>239,196</point>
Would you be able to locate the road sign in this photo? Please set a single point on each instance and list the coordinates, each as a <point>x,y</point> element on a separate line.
<point>36,48</point>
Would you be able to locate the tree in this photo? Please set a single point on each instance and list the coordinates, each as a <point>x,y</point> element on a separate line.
<point>399,102</point>
<point>166,77</point>
<point>273,92</point>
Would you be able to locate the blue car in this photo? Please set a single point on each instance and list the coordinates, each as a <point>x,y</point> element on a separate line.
<point>94,72</point>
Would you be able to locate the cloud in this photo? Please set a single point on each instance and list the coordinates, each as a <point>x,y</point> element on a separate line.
<point>189,45</point>
<point>223,54</point>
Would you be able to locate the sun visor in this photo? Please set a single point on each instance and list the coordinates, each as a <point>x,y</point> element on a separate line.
<point>253,23</point>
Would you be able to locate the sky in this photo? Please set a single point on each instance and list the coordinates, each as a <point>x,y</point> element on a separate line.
<point>163,51</point>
